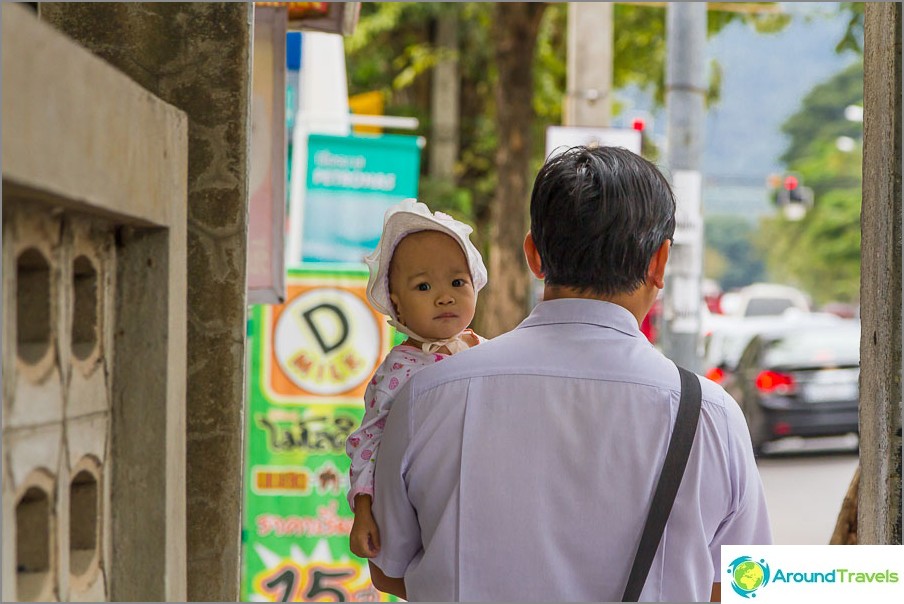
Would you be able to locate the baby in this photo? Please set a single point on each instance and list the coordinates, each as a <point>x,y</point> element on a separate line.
<point>425,275</point>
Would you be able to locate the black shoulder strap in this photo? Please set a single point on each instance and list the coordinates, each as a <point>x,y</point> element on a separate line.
<point>669,480</point>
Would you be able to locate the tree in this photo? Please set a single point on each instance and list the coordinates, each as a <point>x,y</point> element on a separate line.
<point>730,238</point>
<point>394,49</point>
<point>515,37</point>
<point>821,252</point>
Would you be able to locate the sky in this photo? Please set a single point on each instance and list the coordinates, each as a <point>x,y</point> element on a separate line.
<point>765,77</point>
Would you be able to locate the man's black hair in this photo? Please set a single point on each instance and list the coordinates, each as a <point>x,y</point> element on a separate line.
<point>597,217</point>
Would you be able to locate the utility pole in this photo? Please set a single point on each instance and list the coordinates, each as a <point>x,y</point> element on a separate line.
<point>445,97</point>
<point>588,100</point>
<point>685,97</point>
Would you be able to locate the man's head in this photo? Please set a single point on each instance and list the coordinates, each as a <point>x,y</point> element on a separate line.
<point>598,216</point>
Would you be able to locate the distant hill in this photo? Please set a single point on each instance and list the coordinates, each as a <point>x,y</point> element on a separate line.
<point>764,79</point>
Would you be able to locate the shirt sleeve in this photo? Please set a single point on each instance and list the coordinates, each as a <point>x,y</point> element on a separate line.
<point>747,522</point>
<point>400,533</point>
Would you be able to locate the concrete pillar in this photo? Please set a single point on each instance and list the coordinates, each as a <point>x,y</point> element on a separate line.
<point>445,98</point>
<point>879,512</point>
<point>686,105</point>
<point>588,100</point>
<point>197,57</point>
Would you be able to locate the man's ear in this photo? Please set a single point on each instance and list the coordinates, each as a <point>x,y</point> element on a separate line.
<point>656,270</point>
<point>533,256</point>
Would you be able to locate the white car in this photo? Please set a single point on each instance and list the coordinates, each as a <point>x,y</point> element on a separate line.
<point>767,299</point>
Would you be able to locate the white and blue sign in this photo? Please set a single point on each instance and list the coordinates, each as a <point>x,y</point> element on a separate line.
<point>351,181</point>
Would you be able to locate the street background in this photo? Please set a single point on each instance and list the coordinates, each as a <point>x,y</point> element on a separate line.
<point>805,487</point>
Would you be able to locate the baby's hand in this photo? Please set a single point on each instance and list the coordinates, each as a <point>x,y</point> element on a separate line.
<point>364,539</point>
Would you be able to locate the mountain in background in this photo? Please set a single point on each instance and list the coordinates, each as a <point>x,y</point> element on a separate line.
<point>764,79</point>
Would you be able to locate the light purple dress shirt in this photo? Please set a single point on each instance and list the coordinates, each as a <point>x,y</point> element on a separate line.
<point>523,469</point>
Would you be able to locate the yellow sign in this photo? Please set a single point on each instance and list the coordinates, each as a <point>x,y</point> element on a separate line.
<point>366,103</point>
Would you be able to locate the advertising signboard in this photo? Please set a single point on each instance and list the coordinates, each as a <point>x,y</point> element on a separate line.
<point>559,138</point>
<point>351,181</point>
<point>310,361</point>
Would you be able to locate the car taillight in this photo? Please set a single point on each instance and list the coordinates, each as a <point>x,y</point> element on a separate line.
<point>716,374</point>
<point>772,381</point>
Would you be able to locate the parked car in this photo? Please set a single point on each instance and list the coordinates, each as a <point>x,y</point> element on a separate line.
<point>725,338</point>
<point>800,381</point>
<point>766,299</point>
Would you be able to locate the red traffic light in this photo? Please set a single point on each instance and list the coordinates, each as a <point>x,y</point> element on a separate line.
<point>638,124</point>
<point>790,183</point>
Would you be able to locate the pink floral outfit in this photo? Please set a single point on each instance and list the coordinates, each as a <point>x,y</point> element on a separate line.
<point>397,368</point>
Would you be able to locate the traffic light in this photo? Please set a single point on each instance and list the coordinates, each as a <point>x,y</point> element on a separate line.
<point>793,192</point>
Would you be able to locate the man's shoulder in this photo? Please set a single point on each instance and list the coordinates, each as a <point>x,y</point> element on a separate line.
<point>461,366</point>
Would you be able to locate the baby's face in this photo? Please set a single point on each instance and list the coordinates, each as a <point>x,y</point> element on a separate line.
<point>430,285</point>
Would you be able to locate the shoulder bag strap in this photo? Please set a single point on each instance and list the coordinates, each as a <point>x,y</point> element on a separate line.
<point>669,480</point>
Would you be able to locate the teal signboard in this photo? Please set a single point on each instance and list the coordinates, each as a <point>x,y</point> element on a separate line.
<point>351,181</point>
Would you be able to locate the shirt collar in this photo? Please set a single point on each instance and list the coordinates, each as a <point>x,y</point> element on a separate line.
<point>582,310</point>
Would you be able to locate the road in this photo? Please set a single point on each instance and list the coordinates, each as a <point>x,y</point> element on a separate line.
<point>805,483</point>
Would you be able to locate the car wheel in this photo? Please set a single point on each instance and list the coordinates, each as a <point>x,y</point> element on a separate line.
<point>755,423</point>
<point>757,448</point>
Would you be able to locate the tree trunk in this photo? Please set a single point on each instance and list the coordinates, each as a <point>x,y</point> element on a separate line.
<point>515,28</point>
<point>879,520</point>
<point>846,526</point>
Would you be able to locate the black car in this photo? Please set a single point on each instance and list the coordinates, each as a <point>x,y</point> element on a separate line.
<point>801,381</point>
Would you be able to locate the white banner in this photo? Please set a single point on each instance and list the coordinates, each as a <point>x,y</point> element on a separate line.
<point>813,573</point>
<point>560,138</point>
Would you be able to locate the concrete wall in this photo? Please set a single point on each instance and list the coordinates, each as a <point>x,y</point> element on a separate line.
<point>879,512</point>
<point>94,326</point>
<point>197,56</point>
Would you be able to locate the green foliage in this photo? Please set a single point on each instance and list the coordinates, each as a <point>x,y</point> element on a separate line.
<point>853,34</point>
<point>639,45</point>
<point>821,252</point>
<point>550,73</point>
<point>392,51</point>
<point>443,196</point>
<point>732,257</point>
<point>821,118</point>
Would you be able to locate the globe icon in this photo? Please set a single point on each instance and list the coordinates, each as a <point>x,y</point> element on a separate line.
<point>748,575</point>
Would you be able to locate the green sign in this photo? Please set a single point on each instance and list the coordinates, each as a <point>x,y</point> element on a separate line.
<point>310,361</point>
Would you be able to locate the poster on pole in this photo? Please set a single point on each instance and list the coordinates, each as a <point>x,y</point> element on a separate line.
<point>350,183</point>
<point>560,138</point>
<point>310,360</point>
<point>267,171</point>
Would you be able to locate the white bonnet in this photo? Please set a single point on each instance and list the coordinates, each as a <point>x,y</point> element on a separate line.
<point>406,217</point>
